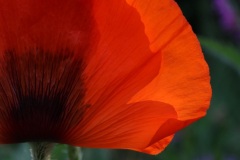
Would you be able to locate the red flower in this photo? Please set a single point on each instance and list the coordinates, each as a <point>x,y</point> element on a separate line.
<point>97,73</point>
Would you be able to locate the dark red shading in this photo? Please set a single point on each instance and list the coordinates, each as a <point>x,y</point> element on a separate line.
<point>41,94</point>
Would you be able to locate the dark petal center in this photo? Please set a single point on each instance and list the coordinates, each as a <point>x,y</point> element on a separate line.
<point>41,95</point>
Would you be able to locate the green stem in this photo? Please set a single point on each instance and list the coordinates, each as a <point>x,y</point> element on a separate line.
<point>41,150</point>
<point>74,153</point>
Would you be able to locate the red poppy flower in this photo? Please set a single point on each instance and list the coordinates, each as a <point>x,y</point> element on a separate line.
<point>97,73</point>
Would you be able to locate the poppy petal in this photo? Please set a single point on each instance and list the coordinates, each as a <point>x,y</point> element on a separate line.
<point>130,126</point>
<point>143,73</point>
<point>183,80</point>
<point>117,69</point>
<point>158,146</point>
<point>47,24</point>
<point>42,45</point>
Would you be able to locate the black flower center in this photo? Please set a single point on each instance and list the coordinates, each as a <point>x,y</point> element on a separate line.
<point>41,94</point>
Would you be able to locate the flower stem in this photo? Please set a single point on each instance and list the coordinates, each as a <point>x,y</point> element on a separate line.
<point>74,153</point>
<point>41,150</point>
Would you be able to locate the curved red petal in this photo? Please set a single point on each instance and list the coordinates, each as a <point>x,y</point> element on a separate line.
<point>43,45</point>
<point>123,49</point>
<point>140,76</point>
<point>130,127</point>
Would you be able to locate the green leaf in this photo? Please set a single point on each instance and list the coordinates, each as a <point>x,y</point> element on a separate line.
<point>226,52</point>
<point>74,153</point>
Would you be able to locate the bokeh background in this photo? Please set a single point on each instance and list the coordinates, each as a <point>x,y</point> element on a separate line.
<point>215,137</point>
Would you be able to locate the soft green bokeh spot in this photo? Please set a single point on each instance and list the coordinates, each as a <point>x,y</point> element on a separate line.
<point>225,51</point>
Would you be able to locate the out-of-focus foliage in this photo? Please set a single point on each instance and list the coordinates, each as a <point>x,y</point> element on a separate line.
<point>225,52</point>
<point>215,137</point>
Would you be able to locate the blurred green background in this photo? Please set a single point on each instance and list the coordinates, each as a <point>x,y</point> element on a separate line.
<point>215,137</point>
